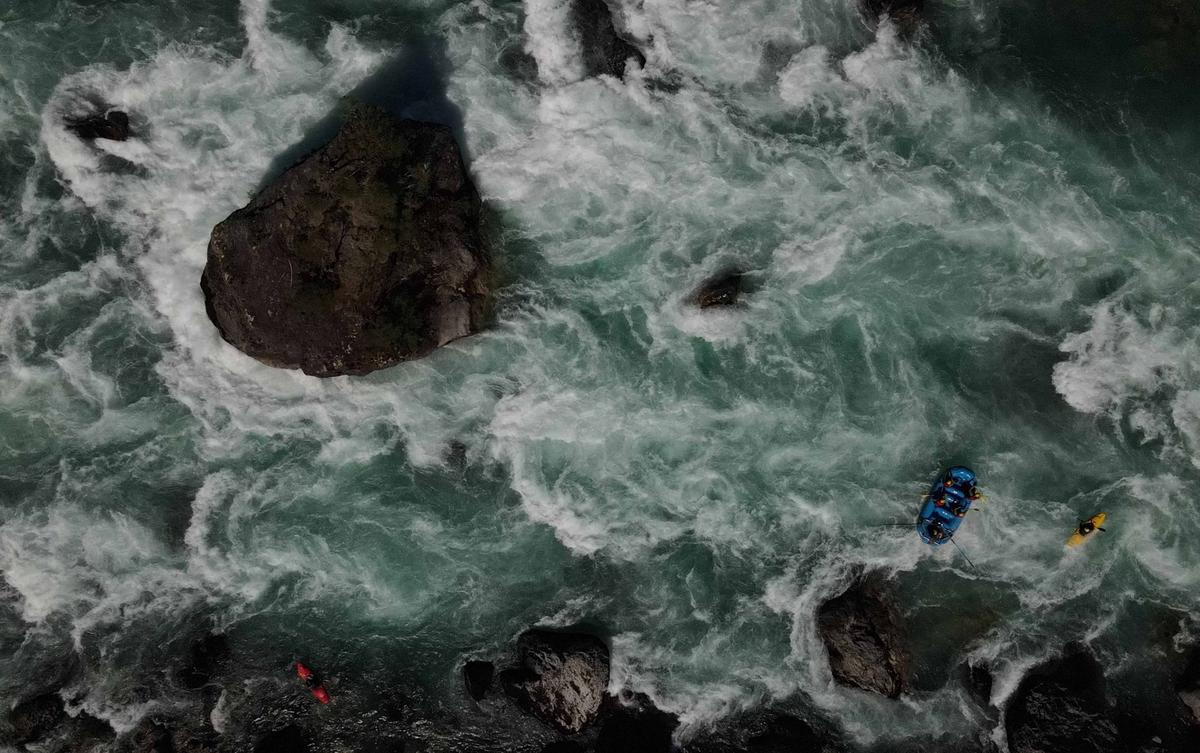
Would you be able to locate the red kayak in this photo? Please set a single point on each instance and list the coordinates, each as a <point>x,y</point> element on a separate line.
<point>312,682</point>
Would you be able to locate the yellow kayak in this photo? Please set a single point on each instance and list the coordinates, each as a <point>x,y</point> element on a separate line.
<point>1079,536</point>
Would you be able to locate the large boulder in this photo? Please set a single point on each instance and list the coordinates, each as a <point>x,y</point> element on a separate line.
<point>1061,707</point>
<point>364,254</point>
<point>605,50</point>
<point>864,635</point>
<point>561,678</point>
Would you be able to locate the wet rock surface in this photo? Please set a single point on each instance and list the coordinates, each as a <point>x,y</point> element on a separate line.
<point>775,730</point>
<point>864,634</point>
<point>561,678</point>
<point>113,126</point>
<point>366,253</point>
<point>723,289</point>
<point>1061,707</point>
<point>605,50</point>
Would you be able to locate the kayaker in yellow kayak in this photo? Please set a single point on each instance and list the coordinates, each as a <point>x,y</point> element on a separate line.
<point>1087,528</point>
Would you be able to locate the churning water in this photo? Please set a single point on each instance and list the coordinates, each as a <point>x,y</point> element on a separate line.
<point>981,247</point>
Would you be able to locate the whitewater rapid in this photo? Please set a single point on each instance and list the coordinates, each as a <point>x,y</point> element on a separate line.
<point>942,271</point>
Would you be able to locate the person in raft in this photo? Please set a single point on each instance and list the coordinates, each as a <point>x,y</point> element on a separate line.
<point>1087,526</point>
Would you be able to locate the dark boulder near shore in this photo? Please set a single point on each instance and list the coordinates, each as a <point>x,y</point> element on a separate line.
<point>1061,707</point>
<point>864,634</point>
<point>113,126</point>
<point>366,253</point>
<point>561,678</point>
<point>605,49</point>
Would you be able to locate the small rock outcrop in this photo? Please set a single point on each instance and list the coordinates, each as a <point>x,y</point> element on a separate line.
<point>1061,707</point>
<point>113,125</point>
<point>723,289</point>
<point>605,50</point>
<point>863,632</point>
<point>477,677</point>
<point>561,678</point>
<point>366,253</point>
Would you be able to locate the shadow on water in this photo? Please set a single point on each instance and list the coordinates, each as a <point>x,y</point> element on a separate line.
<point>411,85</point>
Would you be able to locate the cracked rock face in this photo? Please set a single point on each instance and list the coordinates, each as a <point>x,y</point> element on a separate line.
<point>864,634</point>
<point>365,253</point>
<point>562,678</point>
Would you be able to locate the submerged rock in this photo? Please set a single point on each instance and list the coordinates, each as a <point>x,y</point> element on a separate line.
<point>723,289</point>
<point>863,632</point>
<point>605,50</point>
<point>113,125</point>
<point>561,679</point>
<point>1061,707</point>
<point>477,677</point>
<point>905,14</point>
<point>37,717</point>
<point>364,254</point>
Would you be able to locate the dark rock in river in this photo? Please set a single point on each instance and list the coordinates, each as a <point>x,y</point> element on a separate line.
<point>477,676</point>
<point>1061,707</point>
<point>37,717</point>
<point>722,290</point>
<point>772,730</point>
<point>1188,686</point>
<point>605,50</point>
<point>977,679</point>
<point>561,679</point>
<point>635,725</point>
<point>364,254</point>
<point>905,14</point>
<point>863,632</point>
<point>113,126</point>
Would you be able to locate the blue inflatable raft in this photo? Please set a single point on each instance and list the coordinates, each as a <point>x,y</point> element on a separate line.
<point>946,505</point>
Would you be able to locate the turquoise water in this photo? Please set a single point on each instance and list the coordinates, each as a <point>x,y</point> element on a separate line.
<point>981,248</point>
